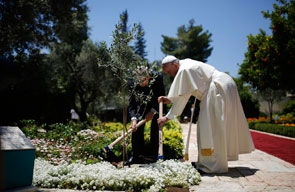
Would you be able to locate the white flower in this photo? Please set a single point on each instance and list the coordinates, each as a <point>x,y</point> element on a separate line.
<point>87,134</point>
<point>103,175</point>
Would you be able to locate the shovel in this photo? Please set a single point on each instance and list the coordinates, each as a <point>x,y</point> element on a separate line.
<point>108,149</point>
<point>160,151</point>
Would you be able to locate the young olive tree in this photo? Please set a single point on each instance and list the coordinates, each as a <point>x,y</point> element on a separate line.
<point>123,63</point>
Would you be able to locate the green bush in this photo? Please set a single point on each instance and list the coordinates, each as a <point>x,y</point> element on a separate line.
<point>172,144</point>
<point>289,107</point>
<point>53,131</point>
<point>279,129</point>
<point>172,141</point>
<point>254,123</point>
<point>32,130</point>
<point>249,102</point>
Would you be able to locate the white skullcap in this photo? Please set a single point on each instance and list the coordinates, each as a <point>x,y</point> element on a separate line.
<point>168,59</point>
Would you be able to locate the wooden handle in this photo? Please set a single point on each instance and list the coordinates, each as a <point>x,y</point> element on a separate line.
<point>160,151</point>
<point>140,123</point>
<point>161,109</point>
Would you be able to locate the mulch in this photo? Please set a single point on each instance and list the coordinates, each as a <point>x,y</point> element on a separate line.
<point>280,147</point>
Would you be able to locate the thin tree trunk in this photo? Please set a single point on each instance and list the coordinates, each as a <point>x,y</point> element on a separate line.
<point>270,104</point>
<point>84,105</point>
<point>125,152</point>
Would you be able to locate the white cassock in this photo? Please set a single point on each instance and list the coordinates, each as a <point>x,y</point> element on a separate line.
<point>223,131</point>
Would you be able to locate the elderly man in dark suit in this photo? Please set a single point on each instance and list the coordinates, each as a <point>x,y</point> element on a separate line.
<point>143,96</point>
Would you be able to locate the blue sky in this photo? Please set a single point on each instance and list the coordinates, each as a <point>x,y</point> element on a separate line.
<point>229,21</point>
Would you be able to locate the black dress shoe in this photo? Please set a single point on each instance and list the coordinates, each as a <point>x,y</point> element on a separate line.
<point>194,164</point>
<point>135,160</point>
<point>150,159</point>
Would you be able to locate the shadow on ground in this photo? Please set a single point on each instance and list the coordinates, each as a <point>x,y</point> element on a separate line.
<point>235,172</point>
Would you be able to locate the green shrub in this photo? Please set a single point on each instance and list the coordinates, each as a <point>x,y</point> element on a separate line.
<point>251,125</point>
<point>52,131</point>
<point>288,131</point>
<point>172,146</point>
<point>32,130</point>
<point>249,103</point>
<point>289,107</point>
<point>254,123</point>
<point>289,117</point>
<point>172,141</point>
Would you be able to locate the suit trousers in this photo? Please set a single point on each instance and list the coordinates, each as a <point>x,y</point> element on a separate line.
<point>138,145</point>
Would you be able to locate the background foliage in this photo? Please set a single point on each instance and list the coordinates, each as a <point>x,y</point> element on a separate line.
<point>272,57</point>
<point>190,42</point>
<point>269,62</point>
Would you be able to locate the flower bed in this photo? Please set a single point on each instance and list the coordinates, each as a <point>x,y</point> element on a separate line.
<point>70,156</point>
<point>104,176</point>
<point>281,125</point>
<point>77,141</point>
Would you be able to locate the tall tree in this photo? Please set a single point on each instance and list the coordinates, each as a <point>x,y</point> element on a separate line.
<point>26,28</point>
<point>71,31</point>
<point>91,80</point>
<point>123,64</point>
<point>124,21</point>
<point>190,42</point>
<point>283,42</point>
<point>271,96</point>
<point>272,57</point>
<point>269,62</point>
<point>140,43</point>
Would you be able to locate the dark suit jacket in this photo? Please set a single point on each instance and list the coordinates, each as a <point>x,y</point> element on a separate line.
<point>139,110</point>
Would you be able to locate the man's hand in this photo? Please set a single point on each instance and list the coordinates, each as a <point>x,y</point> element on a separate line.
<point>133,125</point>
<point>162,120</point>
<point>149,116</point>
<point>164,99</point>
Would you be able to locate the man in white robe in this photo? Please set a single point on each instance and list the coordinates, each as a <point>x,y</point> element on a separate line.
<point>222,128</point>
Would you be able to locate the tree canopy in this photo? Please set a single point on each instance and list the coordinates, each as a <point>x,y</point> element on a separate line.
<point>26,26</point>
<point>140,46</point>
<point>191,42</point>
<point>29,29</point>
<point>270,59</point>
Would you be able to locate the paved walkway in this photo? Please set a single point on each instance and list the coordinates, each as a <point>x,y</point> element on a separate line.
<point>255,172</point>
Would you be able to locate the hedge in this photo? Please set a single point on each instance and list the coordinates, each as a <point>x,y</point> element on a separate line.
<point>278,129</point>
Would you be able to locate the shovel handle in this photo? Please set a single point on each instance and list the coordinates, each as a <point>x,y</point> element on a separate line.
<point>160,151</point>
<point>140,123</point>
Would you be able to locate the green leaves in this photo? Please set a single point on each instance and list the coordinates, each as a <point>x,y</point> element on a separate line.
<point>270,59</point>
<point>122,58</point>
<point>190,43</point>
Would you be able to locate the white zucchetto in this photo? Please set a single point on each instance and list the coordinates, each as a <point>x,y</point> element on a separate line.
<point>168,59</point>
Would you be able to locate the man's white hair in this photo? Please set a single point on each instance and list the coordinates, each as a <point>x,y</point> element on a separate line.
<point>141,72</point>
